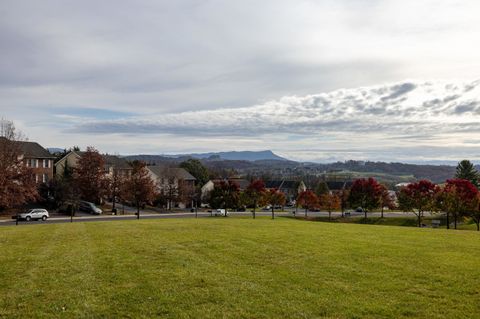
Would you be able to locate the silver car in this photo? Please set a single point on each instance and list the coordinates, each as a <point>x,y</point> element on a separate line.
<point>36,213</point>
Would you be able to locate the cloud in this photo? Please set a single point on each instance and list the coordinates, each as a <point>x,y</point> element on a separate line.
<point>401,108</point>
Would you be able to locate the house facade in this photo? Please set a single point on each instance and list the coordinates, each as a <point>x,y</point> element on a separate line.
<point>175,185</point>
<point>39,160</point>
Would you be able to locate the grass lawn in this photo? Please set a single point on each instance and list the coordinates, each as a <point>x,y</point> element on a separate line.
<point>237,268</point>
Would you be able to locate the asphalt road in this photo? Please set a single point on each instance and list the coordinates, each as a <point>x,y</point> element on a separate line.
<point>89,218</point>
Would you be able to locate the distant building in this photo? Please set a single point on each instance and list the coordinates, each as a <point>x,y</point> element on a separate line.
<point>113,164</point>
<point>175,184</point>
<point>291,189</point>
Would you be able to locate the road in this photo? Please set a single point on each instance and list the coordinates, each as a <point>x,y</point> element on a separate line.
<point>91,218</point>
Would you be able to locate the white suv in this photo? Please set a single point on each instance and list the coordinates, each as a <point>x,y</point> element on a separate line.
<point>36,213</point>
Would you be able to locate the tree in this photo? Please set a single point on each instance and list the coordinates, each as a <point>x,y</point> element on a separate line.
<point>458,198</point>
<point>365,193</point>
<point>225,194</point>
<point>139,188</point>
<point>418,198</point>
<point>466,170</point>
<point>330,202</point>
<point>89,176</point>
<point>115,182</point>
<point>475,214</point>
<point>273,197</point>
<point>308,200</point>
<point>196,168</point>
<point>255,191</point>
<point>17,181</point>
<point>322,189</point>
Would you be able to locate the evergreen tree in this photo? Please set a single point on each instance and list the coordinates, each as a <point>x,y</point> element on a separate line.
<point>322,189</point>
<point>466,170</point>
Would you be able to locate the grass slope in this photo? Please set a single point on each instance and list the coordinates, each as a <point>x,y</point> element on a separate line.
<point>237,268</point>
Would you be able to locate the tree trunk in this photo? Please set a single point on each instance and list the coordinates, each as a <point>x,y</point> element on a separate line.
<point>455,220</point>
<point>419,219</point>
<point>365,212</point>
<point>478,224</point>
<point>329,215</point>
<point>254,207</point>
<point>448,220</point>
<point>382,212</point>
<point>306,209</point>
<point>273,212</point>
<point>138,209</point>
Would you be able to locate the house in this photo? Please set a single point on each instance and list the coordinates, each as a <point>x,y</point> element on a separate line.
<point>291,189</point>
<point>113,164</point>
<point>175,185</point>
<point>38,159</point>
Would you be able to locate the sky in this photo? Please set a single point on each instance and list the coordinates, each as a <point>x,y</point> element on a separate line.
<point>310,80</point>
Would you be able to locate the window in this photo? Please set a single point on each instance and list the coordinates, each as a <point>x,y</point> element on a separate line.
<point>36,178</point>
<point>46,163</point>
<point>45,178</point>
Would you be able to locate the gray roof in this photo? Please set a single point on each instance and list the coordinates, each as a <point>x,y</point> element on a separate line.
<point>177,172</point>
<point>34,150</point>
<point>110,160</point>
<point>115,161</point>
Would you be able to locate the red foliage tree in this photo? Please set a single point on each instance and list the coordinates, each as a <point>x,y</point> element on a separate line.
<point>17,181</point>
<point>273,197</point>
<point>89,176</point>
<point>365,193</point>
<point>308,200</point>
<point>458,198</point>
<point>418,198</point>
<point>254,192</point>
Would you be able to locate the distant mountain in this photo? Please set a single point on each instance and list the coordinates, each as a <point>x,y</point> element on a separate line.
<point>54,150</point>
<point>237,156</point>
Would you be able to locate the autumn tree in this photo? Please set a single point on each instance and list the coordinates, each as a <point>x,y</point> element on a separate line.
<point>330,202</point>
<point>89,176</point>
<point>254,192</point>
<point>418,198</point>
<point>273,197</point>
<point>139,188</point>
<point>466,170</point>
<point>114,184</point>
<point>365,193</point>
<point>225,194</point>
<point>17,181</point>
<point>458,198</point>
<point>475,214</point>
<point>308,200</point>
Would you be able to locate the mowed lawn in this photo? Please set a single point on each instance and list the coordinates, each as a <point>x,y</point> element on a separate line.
<point>237,268</point>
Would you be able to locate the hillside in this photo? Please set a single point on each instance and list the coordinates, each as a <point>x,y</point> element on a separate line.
<point>234,267</point>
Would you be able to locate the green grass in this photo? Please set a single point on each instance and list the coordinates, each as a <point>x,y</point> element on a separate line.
<point>237,268</point>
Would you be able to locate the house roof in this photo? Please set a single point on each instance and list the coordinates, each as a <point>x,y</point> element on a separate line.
<point>177,172</point>
<point>34,150</point>
<point>242,183</point>
<point>337,185</point>
<point>110,160</point>
<point>282,184</point>
<point>115,161</point>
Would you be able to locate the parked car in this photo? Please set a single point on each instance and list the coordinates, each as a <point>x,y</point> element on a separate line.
<point>89,208</point>
<point>34,214</point>
<point>220,212</point>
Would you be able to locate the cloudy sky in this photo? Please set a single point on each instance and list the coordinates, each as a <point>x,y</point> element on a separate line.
<point>312,80</point>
